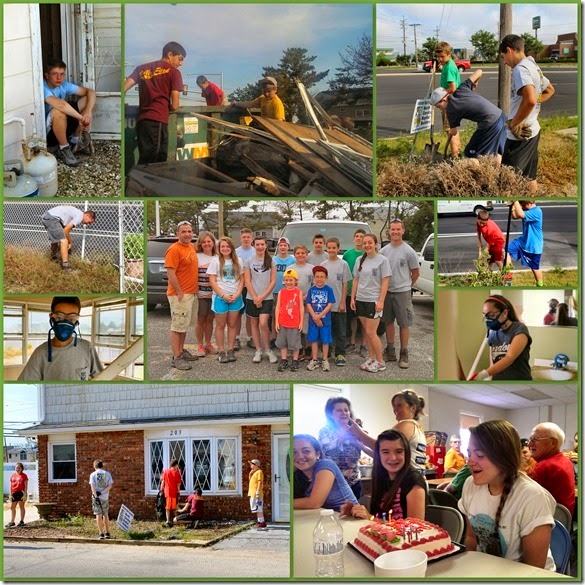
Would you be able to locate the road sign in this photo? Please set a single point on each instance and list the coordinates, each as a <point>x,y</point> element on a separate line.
<point>125,517</point>
<point>421,118</point>
<point>535,22</point>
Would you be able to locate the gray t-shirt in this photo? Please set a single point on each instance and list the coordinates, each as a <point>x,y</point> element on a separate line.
<point>67,214</point>
<point>338,275</point>
<point>101,479</point>
<point>68,363</point>
<point>402,260</point>
<point>465,104</point>
<point>527,72</point>
<point>370,277</point>
<point>259,276</point>
<point>317,259</point>
<point>305,273</point>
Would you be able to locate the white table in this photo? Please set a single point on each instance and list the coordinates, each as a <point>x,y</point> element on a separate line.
<point>464,565</point>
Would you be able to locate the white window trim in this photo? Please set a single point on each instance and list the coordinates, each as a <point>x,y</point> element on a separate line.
<point>51,461</point>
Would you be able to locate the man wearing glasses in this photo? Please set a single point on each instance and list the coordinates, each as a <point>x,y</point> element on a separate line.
<point>65,122</point>
<point>159,85</point>
<point>553,470</point>
<point>63,357</point>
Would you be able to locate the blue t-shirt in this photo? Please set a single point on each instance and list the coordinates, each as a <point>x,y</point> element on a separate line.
<point>281,265</point>
<point>61,92</point>
<point>340,490</point>
<point>532,238</point>
<point>319,298</point>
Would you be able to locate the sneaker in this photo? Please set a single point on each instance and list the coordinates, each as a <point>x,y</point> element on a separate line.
<point>250,344</point>
<point>389,353</point>
<point>168,524</point>
<point>271,356</point>
<point>201,351</point>
<point>366,364</point>
<point>102,535</point>
<point>376,366</point>
<point>108,535</point>
<point>340,360</point>
<point>188,356</point>
<point>283,365</point>
<point>325,366</point>
<point>312,365</point>
<point>21,523</point>
<point>231,355</point>
<point>10,525</point>
<point>363,351</point>
<point>294,367</point>
<point>180,363</point>
<point>261,526</point>
<point>66,156</point>
<point>350,348</point>
<point>257,356</point>
<point>66,267</point>
<point>403,363</point>
<point>211,349</point>
<point>237,344</point>
<point>223,357</point>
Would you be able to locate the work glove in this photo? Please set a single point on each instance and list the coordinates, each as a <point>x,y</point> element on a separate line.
<point>520,131</point>
<point>24,497</point>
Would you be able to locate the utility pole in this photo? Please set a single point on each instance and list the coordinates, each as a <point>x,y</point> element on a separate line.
<point>415,47</point>
<point>403,25</point>
<point>504,72</point>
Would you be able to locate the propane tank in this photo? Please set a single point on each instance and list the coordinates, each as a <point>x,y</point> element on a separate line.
<point>16,183</point>
<point>40,164</point>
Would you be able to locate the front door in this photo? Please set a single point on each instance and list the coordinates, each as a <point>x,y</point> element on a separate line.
<point>281,478</point>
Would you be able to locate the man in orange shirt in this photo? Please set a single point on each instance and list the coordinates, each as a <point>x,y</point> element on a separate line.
<point>171,485</point>
<point>181,265</point>
<point>454,459</point>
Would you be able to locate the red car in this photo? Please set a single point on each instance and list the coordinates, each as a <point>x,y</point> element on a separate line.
<point>462,65</point>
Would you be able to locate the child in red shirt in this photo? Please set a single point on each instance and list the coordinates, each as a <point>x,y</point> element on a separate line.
<point>288,319</point>
<point>493,236</point>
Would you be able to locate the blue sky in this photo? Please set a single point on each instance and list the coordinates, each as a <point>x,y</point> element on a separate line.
<point>20,407</point>
<point>239,39</point>
<point>457,22</point>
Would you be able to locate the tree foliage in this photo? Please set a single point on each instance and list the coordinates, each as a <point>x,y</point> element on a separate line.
<point>429,47</point>
<point>532,46</point>
<point>356,65</point>
<point>485,45</point>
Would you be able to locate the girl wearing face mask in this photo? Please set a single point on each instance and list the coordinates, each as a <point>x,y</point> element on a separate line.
<point>509,342</point>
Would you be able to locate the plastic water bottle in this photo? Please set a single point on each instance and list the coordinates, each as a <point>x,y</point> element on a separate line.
<point>328,546</point>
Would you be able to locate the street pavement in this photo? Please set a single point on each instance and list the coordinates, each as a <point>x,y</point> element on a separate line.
<point>248,554</point>
<point>421,350</point>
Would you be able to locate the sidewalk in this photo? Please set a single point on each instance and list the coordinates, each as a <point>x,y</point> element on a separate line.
<point>31,514</point>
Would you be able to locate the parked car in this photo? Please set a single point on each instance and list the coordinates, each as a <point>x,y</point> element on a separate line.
<point>302,232</point>
<point>425,283</point>
<point>462,206</point>
<point>158,280</point>
<point>462,65</point>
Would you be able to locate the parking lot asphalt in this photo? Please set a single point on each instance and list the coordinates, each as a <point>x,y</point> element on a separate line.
<point>421,353</point>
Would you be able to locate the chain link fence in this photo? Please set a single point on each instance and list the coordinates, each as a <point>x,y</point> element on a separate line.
<point>116,237</point>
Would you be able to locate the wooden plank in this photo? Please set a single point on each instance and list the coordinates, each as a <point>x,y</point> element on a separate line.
<point>262,172</point>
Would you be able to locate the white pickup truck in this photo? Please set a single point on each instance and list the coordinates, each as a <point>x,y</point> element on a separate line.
<point>426,260</point>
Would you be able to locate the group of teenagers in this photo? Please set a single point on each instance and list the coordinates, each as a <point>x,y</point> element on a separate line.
<point>508,513</point>
<point>305,304</point>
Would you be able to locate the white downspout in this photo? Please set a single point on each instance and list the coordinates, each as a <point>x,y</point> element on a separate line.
<point>42,395</point>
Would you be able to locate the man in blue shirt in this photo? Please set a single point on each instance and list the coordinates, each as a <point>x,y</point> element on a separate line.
<point>528,247</point>
<point>65,122</point>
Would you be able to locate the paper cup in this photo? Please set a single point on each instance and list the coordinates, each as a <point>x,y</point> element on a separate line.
<point>401,563</point>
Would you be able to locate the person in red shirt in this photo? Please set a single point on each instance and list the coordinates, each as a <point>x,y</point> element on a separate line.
<point>213,94</point>
<point>18,494</point>
<point>170,485</point>
<point>159,86</point>
<point>553,470</point>
<point>493,236</point>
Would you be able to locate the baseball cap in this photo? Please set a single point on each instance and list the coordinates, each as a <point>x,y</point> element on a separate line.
<point>290,272</point>
<point>438,95</point>
<point>320,269</point>
<point>283,239</point>
<point>268,81</point>
<point>255,462</point>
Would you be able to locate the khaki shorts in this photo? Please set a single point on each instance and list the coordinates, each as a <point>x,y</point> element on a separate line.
<point>183,313</point>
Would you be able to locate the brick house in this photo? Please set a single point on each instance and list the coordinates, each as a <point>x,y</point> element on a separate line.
<point>137,429</point>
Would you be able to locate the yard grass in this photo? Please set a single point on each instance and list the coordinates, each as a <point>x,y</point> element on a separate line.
<point>28,270</point>
<point>400,175</point>
<point>557,278</point>
<point>79,526</point>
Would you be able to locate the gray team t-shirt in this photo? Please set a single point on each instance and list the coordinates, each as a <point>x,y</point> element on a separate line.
<point>370,277</point>
<point>259,276</point>
<point>465,104</point>
<point>402,260</point>
<point>317,259</point>
<point>305,273</point>
<point>67,214</point>
<point>69,363</point>
<point>338,275</point>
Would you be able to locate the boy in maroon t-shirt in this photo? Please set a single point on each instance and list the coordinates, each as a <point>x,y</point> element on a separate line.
<point>213,95</point>
<point>493,236</point>
<point>159,84</point>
